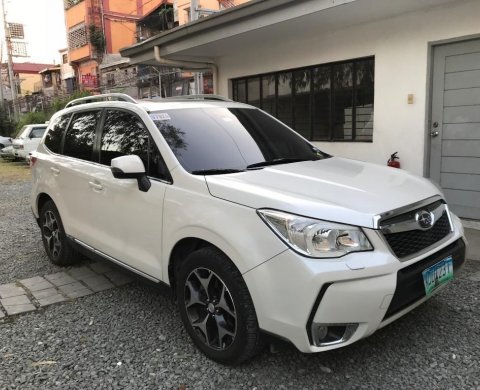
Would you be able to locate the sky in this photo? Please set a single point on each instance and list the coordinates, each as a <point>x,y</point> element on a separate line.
<point>44,26</point>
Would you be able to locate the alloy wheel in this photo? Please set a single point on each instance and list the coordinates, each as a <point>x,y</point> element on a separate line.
<point>210,308</point>
<point>51,231</point>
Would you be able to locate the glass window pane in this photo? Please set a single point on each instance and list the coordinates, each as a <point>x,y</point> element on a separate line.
<point>285,101</point>
<point>254,91</point>
<point>37,132</point>
<point>343,101</point>
<point>268,94</point>
<point>364,71</point>
<point>302,102</point>
<point>229,138</point>
<point>241,91</point>
<point>80,135</point>
<point>321,102</point>
<point>54,136</point>
<point>123,133</point>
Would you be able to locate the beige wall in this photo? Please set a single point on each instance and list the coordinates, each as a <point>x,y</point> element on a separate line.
<point>184,5</point>
<point>27,82</point>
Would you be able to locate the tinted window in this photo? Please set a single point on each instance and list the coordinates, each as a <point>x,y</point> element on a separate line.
<point>53,140</point>
<point>37,132</point>
<point>80,136</point>
<point>229,138</point>
<point>124,133</point>
<point>330,102</point>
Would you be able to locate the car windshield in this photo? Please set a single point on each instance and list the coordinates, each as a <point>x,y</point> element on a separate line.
<point>216,140</point>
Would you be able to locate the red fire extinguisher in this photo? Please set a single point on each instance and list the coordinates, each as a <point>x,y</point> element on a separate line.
<point>392,161</point>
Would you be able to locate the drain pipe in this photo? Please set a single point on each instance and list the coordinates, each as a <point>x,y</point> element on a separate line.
<point>189,66</point>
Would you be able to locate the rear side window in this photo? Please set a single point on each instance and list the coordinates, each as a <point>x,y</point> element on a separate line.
<point>37,132</point>
<point>81,134</point>
<point>124,133</point>
<point>53,140</point>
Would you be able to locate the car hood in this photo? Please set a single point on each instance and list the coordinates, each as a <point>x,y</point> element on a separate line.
<point>333,189</point>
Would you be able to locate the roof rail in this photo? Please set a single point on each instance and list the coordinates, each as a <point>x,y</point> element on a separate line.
<point>194,97</point>
<point>106,96</point>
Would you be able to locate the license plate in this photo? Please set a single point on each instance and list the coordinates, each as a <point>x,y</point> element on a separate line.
<point>438,274</point>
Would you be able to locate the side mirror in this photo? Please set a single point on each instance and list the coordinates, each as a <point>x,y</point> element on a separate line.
<point>131,167</point>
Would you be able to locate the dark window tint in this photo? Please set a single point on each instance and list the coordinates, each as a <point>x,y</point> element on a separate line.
<point>37,132</point>
<point>124,133</point>
<point>268,94</point>
<point>80,136</point>
<point>302,102</point>
<point>321,103</point>
<point>229,138</point>
<point>342,101</point>
<point>254,91</point>
<point>53,140</point>
<point>330,102</point>
<point>285,99</point>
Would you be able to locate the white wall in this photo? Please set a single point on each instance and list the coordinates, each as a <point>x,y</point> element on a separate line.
<point>401,49</point>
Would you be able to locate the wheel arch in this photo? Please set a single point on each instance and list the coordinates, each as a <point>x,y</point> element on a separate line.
<point>182,249</point>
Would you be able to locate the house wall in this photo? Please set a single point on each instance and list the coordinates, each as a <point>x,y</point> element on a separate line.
<point>28,81</point>
<point>402,60</point>
<point>184,5</point>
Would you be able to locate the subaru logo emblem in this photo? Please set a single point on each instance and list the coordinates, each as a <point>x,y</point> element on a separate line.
<point>425,219</point>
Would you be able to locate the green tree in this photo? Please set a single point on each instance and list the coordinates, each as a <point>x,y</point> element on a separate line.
<point>7,127</point>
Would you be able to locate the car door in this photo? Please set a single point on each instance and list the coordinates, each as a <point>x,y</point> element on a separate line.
<point>72,171</point>
<point>128,221</point>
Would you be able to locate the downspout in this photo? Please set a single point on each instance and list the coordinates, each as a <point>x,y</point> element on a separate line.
<point>189,66</point>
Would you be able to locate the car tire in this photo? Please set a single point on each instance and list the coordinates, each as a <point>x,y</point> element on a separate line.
<point>55,241</point>
<point>216,307</point>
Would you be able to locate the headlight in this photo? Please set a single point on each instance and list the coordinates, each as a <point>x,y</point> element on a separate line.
<point>315,238</point>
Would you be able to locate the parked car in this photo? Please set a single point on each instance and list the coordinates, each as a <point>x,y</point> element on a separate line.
<point>28,140</point>
<point>7,153</point>
<point>255,229</point>
<point>5,141</point>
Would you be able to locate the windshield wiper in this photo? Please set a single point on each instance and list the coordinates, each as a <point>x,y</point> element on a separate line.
<point>279,161</point>
<point>216,171</point>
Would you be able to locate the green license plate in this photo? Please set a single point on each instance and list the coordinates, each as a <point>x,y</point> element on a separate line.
<point>438,274</point>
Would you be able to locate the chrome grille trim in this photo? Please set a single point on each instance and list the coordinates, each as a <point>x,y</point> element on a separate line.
<point>412,224</point>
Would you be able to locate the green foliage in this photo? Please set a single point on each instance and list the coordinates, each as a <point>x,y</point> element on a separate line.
<point>32,117</point>
<point>7,127</point>
<point>60,103</point>
<point>97,39</point>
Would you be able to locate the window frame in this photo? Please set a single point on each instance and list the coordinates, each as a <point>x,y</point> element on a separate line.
<point>98,143</point>
<point>94,155</point>
<point>331,137</point>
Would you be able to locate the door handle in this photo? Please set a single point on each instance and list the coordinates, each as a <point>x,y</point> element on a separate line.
<point>434,133</point>
<point>55,171</point>
<point>95,186</point>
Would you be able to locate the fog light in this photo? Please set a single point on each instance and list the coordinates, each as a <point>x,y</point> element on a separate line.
<point>330,334</point>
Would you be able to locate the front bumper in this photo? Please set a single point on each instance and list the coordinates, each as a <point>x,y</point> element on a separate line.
<point>365,290</point>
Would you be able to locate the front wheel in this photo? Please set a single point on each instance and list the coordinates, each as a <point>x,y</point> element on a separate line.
<point>216,307</point>
<point>54,238</point>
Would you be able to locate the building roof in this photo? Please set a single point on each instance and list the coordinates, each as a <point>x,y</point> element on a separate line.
<point>30,67</point>
<point>240,28</point>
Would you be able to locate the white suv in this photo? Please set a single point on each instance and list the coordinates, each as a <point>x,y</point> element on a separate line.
<point>255,229</point>
<point>28,140</point>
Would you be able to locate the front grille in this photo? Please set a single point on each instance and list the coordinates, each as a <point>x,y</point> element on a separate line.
<point>410,287</point>
<point>407,243</point>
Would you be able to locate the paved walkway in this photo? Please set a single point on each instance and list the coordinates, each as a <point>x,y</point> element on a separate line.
<point>34,293</point>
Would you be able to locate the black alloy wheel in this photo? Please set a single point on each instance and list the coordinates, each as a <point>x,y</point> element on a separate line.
<point>216,308</point>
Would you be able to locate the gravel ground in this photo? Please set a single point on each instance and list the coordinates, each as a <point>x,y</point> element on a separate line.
<point>132,337</point>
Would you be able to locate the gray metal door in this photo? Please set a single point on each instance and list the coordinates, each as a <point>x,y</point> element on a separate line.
<point>455,125</point>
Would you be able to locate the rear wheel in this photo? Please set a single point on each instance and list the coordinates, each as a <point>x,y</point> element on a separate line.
<point>216,307</point>
<point>54,238</point>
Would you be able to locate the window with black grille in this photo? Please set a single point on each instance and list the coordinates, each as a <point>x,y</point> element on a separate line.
<point>328,102</point>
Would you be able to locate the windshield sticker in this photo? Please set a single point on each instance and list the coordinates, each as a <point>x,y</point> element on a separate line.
<point>162,116</point>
